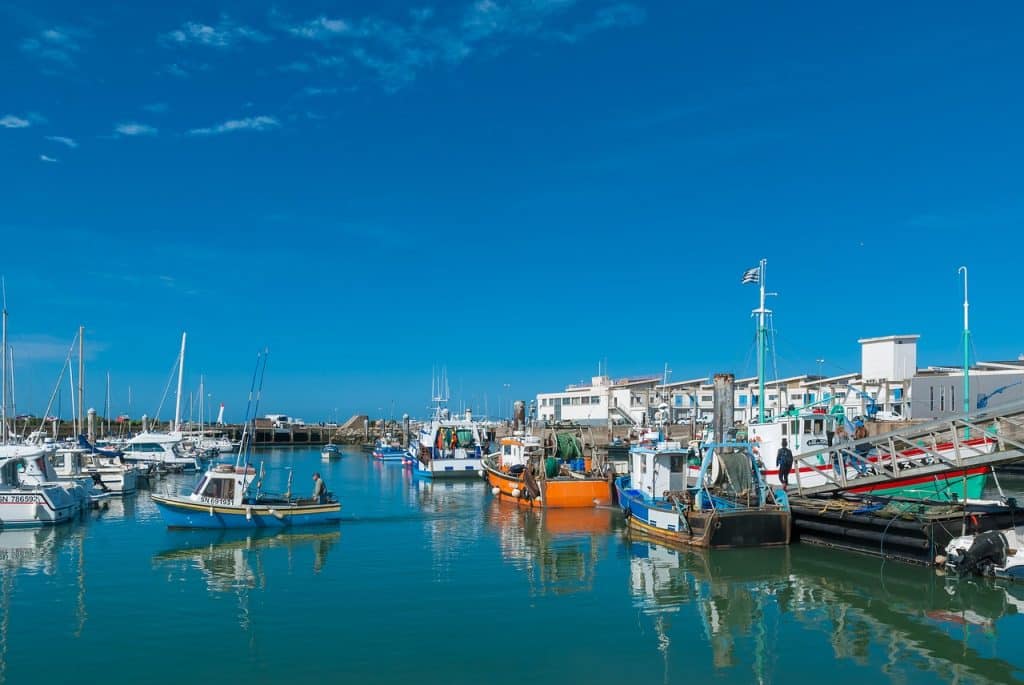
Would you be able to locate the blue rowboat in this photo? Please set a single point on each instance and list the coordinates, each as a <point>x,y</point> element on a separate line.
<point>223,499</point>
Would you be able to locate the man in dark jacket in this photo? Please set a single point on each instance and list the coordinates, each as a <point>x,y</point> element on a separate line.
<point>784,460</point>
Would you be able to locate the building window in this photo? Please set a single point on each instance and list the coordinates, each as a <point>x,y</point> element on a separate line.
<point>772,398</point>
<point>931,398</point>
<point>797,396</point>
<point>586,400</point>
<point>706,398</point>
<point>743,400</point>
<point>575,401</point>
<point>810,397</point>
<point>952,398</point>
<point>594,399</point>
<point>942,398</point>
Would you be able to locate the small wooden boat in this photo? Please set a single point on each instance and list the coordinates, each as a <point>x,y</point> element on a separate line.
<point>224,499</point>
<point>522,473</point>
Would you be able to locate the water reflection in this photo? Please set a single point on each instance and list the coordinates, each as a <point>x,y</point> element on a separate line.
<point>234,562</point>
<point>34,551</point>
<point>556,549</point>
<point>743,602</point>
<point>451,518</point>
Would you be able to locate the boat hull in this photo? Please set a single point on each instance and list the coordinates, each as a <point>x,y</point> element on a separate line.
<point>452,468</point>
<point>761,527</point>
<point>183,513</point>
<point>389,455</point>
<point>562,493</point>
<point>32,509</point>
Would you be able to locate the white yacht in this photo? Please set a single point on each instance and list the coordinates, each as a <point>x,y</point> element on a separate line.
<point>27,496</point>
<point>160,449</point>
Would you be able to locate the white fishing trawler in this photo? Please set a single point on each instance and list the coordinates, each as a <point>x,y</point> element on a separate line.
<point>447,447</point>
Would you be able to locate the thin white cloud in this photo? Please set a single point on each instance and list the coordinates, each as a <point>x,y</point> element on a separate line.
<point>258,123</point>
<point>56,46</point>
<point>63,140</point>
<point>224,35</point>
<point>132,128</point>
<point>397,51</point>
<point>46,158</point>
<point>11,121</point>
<point>175,70</point>
<point>313,91</point>
<point>320,28</point>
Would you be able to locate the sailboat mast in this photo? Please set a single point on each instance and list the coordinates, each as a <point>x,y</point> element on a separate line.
<point>81,378</point>
<point>181,369</point>
<point>106,409</point>
<point>3,392</point>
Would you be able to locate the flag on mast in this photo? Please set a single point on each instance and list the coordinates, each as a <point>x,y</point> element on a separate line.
<point>752,275</point>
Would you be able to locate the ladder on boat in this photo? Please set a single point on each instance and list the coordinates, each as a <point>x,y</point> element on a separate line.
<point>931,449</point>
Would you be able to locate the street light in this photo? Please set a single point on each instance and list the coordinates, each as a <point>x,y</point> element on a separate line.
<point>820,376</point>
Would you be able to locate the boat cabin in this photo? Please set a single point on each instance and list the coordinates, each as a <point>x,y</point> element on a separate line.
<point>804,431</point>
<point>657,468</point>
<point>519,450</point>
<point>224,485</point>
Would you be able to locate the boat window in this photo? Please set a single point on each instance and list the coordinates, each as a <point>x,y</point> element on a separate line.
<point>221,488</point>
<point>678,463</point>
<point>819,426</point>
<point>508,449</point>
<point>794,427</point>
<point>785,429</point>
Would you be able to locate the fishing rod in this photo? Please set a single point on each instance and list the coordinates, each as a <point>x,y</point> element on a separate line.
<point>248,406</point>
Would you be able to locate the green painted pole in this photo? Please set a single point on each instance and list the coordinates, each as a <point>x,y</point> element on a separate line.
<point>762,343</point>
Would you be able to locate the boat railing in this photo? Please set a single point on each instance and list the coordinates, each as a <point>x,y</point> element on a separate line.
<point>938,446</point>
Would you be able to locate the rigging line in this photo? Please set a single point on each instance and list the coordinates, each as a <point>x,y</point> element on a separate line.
<point>60,378</point>
<point>167,388</point>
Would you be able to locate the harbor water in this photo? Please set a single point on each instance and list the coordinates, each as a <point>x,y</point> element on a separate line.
<point>439,583</point>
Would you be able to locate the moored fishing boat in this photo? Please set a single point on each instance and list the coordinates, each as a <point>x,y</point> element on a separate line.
<point>232,496</point>
<point>447,447</point>
<point>330,451</point>
<point>728,504</point>
<point>522,472</point>
<point>385,450</point>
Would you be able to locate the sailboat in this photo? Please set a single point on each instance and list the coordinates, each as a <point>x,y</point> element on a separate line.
<point>164,450</point>
<point>30,493</point>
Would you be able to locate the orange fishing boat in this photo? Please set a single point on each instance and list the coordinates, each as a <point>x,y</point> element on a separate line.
<point>522,472</point>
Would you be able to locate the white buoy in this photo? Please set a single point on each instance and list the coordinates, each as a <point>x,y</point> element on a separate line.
<point>515,492</point>
<point>538,500</point>
<point>495,491</point>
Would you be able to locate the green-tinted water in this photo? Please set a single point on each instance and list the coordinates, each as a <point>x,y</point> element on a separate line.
<point>439,583</point>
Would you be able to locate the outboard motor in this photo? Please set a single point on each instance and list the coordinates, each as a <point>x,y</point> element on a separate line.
<point>985,551</point>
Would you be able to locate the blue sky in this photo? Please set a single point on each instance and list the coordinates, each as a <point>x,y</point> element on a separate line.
<point>514,189</point>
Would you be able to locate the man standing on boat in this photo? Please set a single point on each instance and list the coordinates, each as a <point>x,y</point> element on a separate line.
<point>319,489</point>
<point>784,460</point>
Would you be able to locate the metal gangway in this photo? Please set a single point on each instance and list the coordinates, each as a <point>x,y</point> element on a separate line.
<point>934,448</point>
